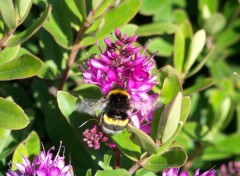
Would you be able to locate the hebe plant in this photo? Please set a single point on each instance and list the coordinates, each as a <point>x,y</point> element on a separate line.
<point>197,93</point>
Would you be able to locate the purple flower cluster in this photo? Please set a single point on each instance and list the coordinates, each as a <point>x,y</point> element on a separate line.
<point>233,168</point>
<point>122,65</point>
<point>174,172</point>
<point>93,138</point>
<point>42,165</point>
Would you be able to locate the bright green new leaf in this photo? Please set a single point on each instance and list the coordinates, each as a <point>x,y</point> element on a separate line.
<point>156,29</point>
<point>8,14</point>
<point>142,139</point>
<point>4,138</point>
<point>127,147</point>
<point>66,103</point>
<point>176,157</point>
<point>11,115</point>
<point>169,119</point>
<point>179,50</point>
<point>114,18</point>
<point>207,8</point>
<point>185,110</point>
<point>117,172</point>
<point>23,7</point>
<point>8,54</point>
<point>23,67</point>
<point>30,147</point>
<point>196,46</point>
<point>171,87</point>
<point>27,33</point>
<point>199,86</point>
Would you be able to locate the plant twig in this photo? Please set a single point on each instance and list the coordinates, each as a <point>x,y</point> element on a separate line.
<point>138,164</point>
<point>4,40</point>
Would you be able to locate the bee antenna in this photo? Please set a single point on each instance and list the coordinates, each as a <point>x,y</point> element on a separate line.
<point>85,123</point>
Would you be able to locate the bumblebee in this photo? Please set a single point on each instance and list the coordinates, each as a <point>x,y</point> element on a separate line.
<point>114,110</point>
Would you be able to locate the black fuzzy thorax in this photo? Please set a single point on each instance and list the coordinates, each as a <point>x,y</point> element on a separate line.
<point>118,106</point>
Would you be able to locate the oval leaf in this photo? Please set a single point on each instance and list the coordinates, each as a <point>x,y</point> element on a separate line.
<point>23,7</point>
<point>142,139</point>
<point>174,158</point>
<point>196,46</point>
<point>8,54</point>
<point>8,14</point>
<point>25,66</point>
<point>127,147</point>
<point>11,115</point>
<point>26,34</point>
<point>169,119</point>
<point>156,29</point>
<point>117,172</point>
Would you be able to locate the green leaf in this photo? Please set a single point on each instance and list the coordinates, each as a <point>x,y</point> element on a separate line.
<point>144,172</point>
<point>215,24</point>
<point>126,146</point>
<point>179,50</point>
<point>196,46</point>
<point>185,110</point>
<point>30,147</point>
<point>96,26</point>
<point>27,33</point>
<point>180,16</point>
<point>171,87</point>
<point>106,162</point>
<point>174,158</point>
<point>89,172</point>
<point>199,86</point>
<point>23,7</point>
<point>153,6</point>
<point>23,67</point>
<point>4,138</point>
<point>66,103</point>
<point>59,26</point>
<point>102,8</point>
<point>163,46</point>
<point>207,8</point>
<point>78,8</point>
<point>142,139</point>
<point>156,29</point>
<point>230,144</point>
<point>11,115</point>
<point>114,18</point>
<point>8,14</point>
<point>8,54</point>
<point>117,172</point>
<point>169,119</point>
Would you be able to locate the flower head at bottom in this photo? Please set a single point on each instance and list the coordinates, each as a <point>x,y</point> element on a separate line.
<point>42,165</point>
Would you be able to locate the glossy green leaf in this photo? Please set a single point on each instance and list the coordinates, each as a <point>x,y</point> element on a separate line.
<point>30,147</point>
<point>163,46</point>
<point>23,67</point>
<point>102,8</point>
<point>59,26</point>
<point>27,33</point>
<point>12,116</point>
<point>8,14</point>
<point>114,18</point>
<point>117,172</point>
<point>185,110</point>
<point>179,50</point>
<point>199,86</point>
<point>165,72</point>
<point>66,103</point>
<point>174,158</point>
<point>23,7</point>
<point>142,139</point>
<point>171,87</point>
<point>126,146</point>
<point>106,162</point>
<point>8,54</point>
<point>156,29</point>
<point>169,119</point>
<point>196,46</point>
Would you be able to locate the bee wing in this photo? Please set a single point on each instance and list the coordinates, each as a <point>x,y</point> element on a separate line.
<point>90,106</point>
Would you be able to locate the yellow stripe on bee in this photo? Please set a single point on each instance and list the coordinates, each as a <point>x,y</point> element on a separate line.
<point>119,91</point>
<point>115,122</point>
